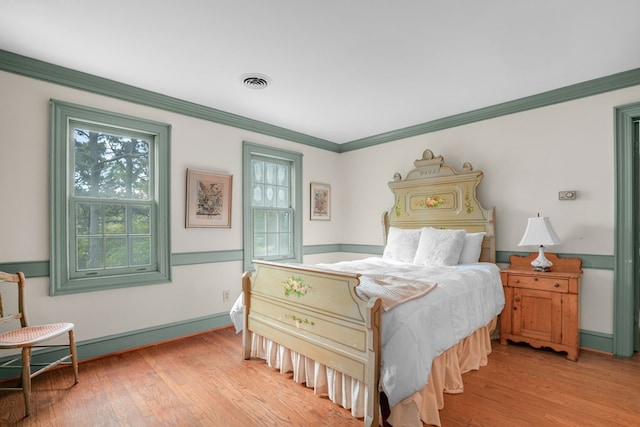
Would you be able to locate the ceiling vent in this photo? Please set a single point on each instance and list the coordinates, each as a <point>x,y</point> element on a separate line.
<point>255,81</point>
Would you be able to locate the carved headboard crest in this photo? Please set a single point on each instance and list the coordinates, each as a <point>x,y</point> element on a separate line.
<point>430,166</point>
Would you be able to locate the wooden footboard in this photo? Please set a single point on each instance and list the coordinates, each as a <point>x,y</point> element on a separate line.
<point>318,314</point>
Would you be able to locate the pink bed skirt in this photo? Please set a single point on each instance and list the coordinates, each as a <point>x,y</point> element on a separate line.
<point>421,407</point>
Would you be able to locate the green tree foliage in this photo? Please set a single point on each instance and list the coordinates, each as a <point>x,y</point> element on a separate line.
<point>111,166</point>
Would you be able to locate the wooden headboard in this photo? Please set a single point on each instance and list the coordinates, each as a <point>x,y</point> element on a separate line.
<point>435,194</point>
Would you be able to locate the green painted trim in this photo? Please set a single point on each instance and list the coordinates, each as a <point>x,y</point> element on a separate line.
<point>596,341</point>
<point>111,344</point>
<point>625,329</point>
<point>132,339</point>
<point>36,69</point>
<point>29,268</point>
<point>596,262</point>
<point>320,249</point>
<point>362,249</point>
<point>189,258</point>
<point>564,94</point>
<point>502,257</point>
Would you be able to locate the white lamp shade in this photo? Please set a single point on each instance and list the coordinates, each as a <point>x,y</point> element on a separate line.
<point>539,232</point>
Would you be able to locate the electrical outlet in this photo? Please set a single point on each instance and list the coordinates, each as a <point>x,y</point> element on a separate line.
<point>225,296</point>
<point>567,195</point>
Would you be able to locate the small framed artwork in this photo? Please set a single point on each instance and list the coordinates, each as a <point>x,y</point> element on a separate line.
<point>208,199</point>
<point>320,201</point>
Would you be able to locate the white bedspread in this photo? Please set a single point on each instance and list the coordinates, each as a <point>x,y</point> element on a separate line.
<point>415,332</point>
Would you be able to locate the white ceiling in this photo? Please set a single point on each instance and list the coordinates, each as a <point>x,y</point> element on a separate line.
<point>341,70</point>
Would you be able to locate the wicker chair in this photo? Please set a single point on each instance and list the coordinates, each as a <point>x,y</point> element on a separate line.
<point>28,337</point>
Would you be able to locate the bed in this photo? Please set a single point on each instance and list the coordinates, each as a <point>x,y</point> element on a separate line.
<point>386,336</point>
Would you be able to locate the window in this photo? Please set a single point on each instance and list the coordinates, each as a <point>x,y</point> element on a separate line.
<point>272,187</point>
<point>110,200</point>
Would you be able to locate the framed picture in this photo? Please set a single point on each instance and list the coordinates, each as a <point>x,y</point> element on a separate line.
<point>208,199</point>
<point>320,201</point>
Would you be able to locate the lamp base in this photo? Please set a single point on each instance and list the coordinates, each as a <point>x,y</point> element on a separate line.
<point>541,263</point>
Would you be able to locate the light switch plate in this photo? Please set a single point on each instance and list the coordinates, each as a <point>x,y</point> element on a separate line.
<point>567,195</point>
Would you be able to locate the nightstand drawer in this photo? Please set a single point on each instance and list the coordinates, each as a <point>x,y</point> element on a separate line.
<point>553,284</point>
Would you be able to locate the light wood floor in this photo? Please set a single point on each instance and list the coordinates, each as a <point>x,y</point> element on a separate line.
<point>203,381</point>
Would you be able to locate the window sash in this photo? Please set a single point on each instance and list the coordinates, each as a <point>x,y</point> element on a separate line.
<point>150,139</point>
<point>274,240</point>
<point>101,240</point>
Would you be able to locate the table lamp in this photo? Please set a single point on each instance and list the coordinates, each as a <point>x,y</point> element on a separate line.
<point>539,232</point>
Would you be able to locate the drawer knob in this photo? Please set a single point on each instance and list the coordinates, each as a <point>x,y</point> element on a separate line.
<point>556,285</point>
<point>535,279</point>
<point>517,280</point>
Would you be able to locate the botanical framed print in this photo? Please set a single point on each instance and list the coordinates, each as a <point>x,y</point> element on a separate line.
<point>208,199</point>
<point>320,201</point>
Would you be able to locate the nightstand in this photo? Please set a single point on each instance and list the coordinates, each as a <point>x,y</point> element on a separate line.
<point>541,308</point>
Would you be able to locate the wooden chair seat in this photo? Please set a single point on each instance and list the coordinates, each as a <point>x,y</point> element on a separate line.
<point>31,335</point>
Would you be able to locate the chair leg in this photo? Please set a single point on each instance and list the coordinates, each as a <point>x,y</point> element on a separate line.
<point>74,355</point>
<point>26,379</point>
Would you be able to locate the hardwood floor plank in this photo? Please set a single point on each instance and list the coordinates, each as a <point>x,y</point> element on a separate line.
<point>542,388</point>
<point>203,381</point>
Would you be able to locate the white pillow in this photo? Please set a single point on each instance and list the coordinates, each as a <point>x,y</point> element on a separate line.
<point>439,247</point>
<point>472,248</point>
<point>401,244</point>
